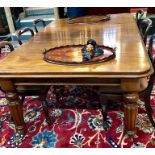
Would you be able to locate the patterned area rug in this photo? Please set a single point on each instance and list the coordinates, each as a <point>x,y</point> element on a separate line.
<point>77,123</point>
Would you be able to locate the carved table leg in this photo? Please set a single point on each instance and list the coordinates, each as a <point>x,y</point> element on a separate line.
<point>130,112</point>
<point>16,111</point>
<point>14,105</point>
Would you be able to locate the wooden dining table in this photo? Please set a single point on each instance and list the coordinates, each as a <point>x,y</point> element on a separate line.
<point>26,64</point>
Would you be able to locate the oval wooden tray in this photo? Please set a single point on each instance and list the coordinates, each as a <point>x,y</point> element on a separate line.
<point>72,55</point>
<point>89,19</point>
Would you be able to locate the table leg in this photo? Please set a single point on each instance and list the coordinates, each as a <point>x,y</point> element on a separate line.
<point>130,112</point>
<point>104,110</point>
<point>15,105</point>
<point>45,108</point>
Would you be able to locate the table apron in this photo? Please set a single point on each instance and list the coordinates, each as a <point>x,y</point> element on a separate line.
<point>126,84</point>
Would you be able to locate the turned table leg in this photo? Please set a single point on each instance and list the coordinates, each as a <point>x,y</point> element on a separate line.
<point>14,105</point>
<point>16,111</point>
<point>131,88</point>
<point>130,112</point>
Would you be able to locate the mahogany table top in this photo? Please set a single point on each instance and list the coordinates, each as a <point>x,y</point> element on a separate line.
<point>120,31</point>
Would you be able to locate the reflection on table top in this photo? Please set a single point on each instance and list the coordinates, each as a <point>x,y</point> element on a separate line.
<point>120,31</point>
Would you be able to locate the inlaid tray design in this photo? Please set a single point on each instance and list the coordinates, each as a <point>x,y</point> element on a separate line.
<point>89,19</point>
<point>72,55</point>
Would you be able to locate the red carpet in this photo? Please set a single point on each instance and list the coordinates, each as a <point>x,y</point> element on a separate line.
<point>74,126</point>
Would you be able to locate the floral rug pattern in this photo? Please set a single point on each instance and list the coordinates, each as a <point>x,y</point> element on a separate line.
<point>77,123</point>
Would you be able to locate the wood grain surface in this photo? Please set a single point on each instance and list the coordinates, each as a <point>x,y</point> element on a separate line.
<point>120,31</point>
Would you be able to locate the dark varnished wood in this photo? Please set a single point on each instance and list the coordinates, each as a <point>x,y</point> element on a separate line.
<point>89,19</point>
<point>26,65</point>
<point>6,43</point>
<point>144,28</point>
<point>139,16</point>
<point>147,93</point>
<point>21,31</point>
<point>72,55</point>
<point>36,21</point>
